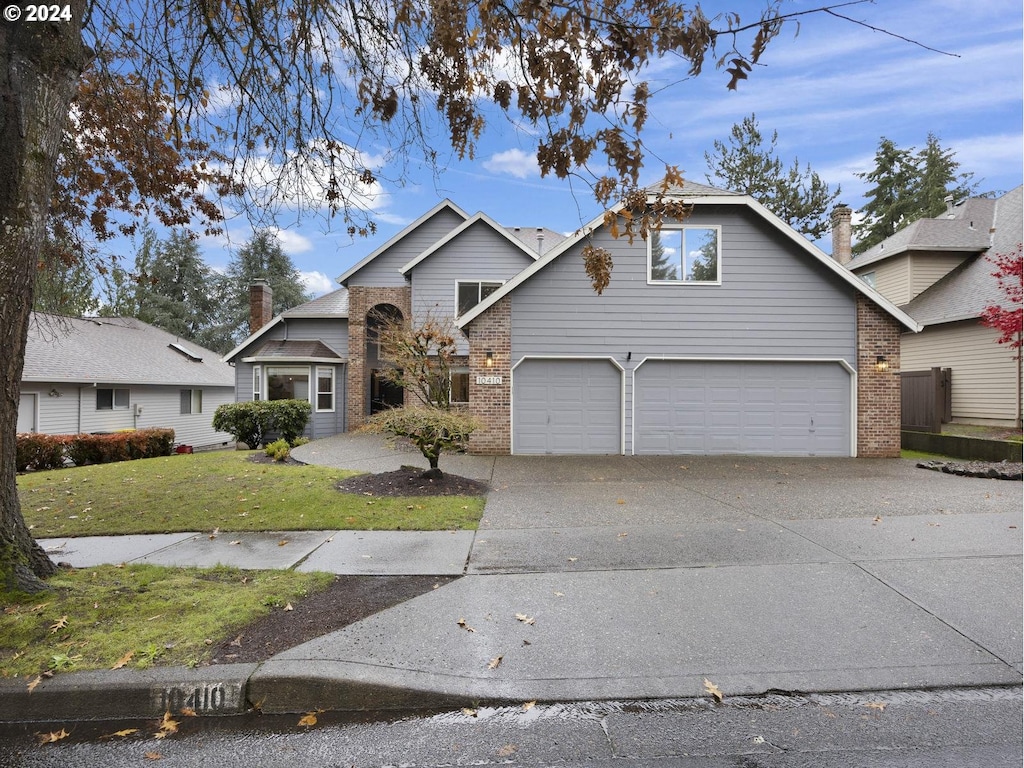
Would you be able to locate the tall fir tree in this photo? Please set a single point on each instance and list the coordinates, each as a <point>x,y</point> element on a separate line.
<point>261,257</point>
<point>906,186</point>
<point>798,196</point>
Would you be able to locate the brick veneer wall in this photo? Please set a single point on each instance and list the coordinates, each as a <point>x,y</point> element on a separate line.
<point>491,403</point>
<point>361,299</point>
<point>878,392</point>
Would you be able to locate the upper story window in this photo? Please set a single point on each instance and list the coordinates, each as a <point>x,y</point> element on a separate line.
<point>112,399</point>
<point>685,255</point>
<point>469,294</point>
<point>869,278</point>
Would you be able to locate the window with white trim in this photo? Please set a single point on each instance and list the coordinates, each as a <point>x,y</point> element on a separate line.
<point>324,389</point>
<point>469,294</point>
<point>191,401</point>
<point>112,399</point>
<point>869,278</point>
<point>287,382</point>
<point>688,254</point>
<point>257,382</point>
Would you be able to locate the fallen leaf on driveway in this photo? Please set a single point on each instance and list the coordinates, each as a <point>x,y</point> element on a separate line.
<point>120,734</point>
<point>34,683</point>
<point>308,720</point>
<point>52,736</point>
<point>507,751</point>
<point>495,662</point>
<point>462,623</point>
<point>469,712</point>
<point>167,726</point>
<point>529,705</point>
<point>282,542</point>
<point>714,690</point>
<point>879,705</point>
<point>525,619</point>
<point>153,756</point>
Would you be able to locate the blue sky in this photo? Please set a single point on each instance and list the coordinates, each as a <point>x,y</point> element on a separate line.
<point>830,91</point>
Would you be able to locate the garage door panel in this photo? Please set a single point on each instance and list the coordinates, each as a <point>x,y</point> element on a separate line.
<point>791,408</point>
<point>567,406</point>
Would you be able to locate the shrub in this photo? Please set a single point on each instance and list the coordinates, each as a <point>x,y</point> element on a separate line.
<point>40,452</point>
<point>252,422</point>
<point>278,450</point>
<point>432,430</point>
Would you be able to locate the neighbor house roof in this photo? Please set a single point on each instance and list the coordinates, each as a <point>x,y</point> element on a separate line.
<point>703,194</point>
<point>962,228</point>
<point>332,305</point>
<point>964,293</point>
<point>117,350</point>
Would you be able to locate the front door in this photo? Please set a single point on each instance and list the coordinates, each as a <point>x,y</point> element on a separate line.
<point>384,394</point>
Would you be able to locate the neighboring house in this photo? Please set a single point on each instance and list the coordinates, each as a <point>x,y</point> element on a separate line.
<point>107,374</point>
<point>936,270</point>
<point>736,335</point>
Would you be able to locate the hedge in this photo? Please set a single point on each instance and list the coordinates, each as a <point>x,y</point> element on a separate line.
<point>253,422</point>
<point>41,452</point>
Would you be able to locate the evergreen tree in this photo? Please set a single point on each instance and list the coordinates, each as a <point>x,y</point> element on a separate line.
<point>798,197</point>
<point>64,282</point>
<point>906,186</point>
<point>261,257</point>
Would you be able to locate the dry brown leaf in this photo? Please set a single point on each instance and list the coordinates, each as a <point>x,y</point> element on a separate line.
<point>714,690</point>
<point>59,624</point>
<point>529,705</point>
<point>123,660</point>
<point>289,607</point>
<point>469,712</point>
<point>462,623</point>
<point>525,619</point>
<point>187,712</point>
<point>120,734</point>
<point>282,542</point>
<point>507,751</point>
<point>495,662</point>
<point>237,642</point>
<point>879,705</point>
<point>167,726</point>
<point>236,542</point>
<point>52,736</point>
<point>153,756</point>
<point>32,685</point>
<point>308,720</point>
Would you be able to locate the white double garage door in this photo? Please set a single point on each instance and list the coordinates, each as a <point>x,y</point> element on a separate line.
<point>783,408</point>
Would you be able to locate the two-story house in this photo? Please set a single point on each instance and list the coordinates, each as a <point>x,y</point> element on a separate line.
<point>938,271</point>
<point>729,333</point>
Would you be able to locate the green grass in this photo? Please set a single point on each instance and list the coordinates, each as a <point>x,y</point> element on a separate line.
<point>924,456</point>
<point>204,491</point>
<point>95,617</point>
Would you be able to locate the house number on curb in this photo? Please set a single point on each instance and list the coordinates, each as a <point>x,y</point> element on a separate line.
<point>204,699</point>
<point>488,379</point>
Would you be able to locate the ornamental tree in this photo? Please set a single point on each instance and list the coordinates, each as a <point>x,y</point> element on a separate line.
<point>1007,317</point>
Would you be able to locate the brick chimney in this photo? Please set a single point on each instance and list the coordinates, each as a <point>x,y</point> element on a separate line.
<point>842,234</point>
<point>260,304</point>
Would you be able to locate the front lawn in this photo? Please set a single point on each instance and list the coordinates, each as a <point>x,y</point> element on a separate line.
<point>225,490</point>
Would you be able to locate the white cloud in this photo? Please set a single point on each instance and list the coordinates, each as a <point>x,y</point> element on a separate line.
<point>317,283</point>
<point>292,242</point>
<point>513,162</point>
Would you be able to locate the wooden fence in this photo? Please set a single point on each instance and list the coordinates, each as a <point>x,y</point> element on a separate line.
<point>926,399</point>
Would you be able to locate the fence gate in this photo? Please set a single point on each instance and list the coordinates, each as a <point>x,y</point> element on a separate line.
<point>926,399</point>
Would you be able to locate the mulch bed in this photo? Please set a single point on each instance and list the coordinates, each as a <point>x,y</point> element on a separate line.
<point>347,600</point>
<point>995,470</point>
<point>409,481</point>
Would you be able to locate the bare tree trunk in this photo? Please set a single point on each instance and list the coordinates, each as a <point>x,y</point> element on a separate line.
<point>40,63</point>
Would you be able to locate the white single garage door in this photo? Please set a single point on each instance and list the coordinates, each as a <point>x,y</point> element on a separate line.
<point>712,407</point>
<point>567,407</point>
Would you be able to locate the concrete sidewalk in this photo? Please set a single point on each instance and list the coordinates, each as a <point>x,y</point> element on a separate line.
<point>620,578</point>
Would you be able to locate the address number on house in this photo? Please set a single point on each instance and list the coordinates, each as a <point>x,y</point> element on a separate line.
<point>488,379</point>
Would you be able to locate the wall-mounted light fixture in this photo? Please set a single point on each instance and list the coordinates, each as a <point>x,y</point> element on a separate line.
<point>56,393</point>
<point>881,363</point>
<point>629,356</point>
<point>490,359</point>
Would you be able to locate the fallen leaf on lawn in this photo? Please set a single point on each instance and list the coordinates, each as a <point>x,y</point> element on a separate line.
<point>60,623</point>
<point>34,683</point>
<point>289,607</point>
<point>714,690</point>
<point>123,660</point>
<point>52,736</point>
<point>507,751</point>
<point>154,618</point>
<point>153,756</point>
<point>495,662</point>
<point>120,734</point>
<point>309,719</point>
<point>529,705</point>
<point>879,705</point>
<point>462,623</point>
<point>525,619</point>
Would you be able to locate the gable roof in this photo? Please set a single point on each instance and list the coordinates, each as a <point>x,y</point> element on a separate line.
<point>965,292</point>
<point>478,217</point>
<point>333,305</point>
<point>295,350</point>
<point>700,194</point>
<point>962,228</point>
<point>444,204</point>
<point>117,350</point>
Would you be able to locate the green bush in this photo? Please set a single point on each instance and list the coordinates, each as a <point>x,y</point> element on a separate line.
<point>432,430</point>
<point>254,422</point>
<point>279,450</point>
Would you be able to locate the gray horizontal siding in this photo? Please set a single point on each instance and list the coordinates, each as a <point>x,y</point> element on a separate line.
<point>477,254</point>
<point>384,272</point>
